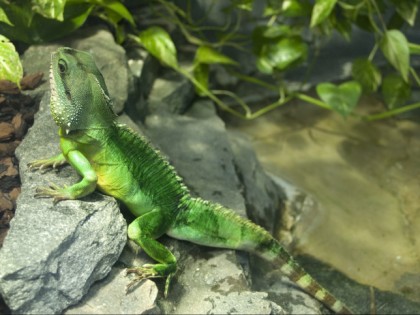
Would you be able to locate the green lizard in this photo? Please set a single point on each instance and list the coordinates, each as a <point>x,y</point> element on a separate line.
<point>112,158</point>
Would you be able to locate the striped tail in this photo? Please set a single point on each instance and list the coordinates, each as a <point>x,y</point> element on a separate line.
<point>272,251</point>
<point>205,223</point>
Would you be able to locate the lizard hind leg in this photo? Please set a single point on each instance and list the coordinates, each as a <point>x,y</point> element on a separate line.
<point>143,231</point>
<point>210,224</point>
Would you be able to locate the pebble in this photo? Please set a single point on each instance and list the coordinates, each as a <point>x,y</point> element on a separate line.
<point>16,115</point>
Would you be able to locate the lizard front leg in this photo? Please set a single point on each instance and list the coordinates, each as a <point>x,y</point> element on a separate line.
<point>83,188</point>
<point>53,162</point>
<point>143,232</point>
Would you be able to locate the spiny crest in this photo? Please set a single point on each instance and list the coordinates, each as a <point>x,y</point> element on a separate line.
<point>105,95</point>
<point>229,215</point>
<point>151,166</point>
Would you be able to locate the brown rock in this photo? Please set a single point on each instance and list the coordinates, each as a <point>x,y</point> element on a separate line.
<point>19,125</point>
<point>14,193</point>
<point>9,168</point>
<point>6,131</point>
<point>5,204</point>
<point>8,148</point>
<point>8,87</point>
<point>31,81</point>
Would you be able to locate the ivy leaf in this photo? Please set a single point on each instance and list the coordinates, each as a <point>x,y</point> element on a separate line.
<point>243,4</point>
<point>407,9</point>
<point>289,8</point>
<point>208,55</point>
<point>395,91</point>
<point>201,74</point>
<point>4,18</point>
<point>367,74</point>
<point>35,28</point>
<point>274,31</point>
<point>394,46</point>
<point>51,9</point>
<point>321,10</point>
<point>119,9</point>
<point>158,43</point>
<point>414,48</point>
<point>343,98</point>
<point>282,54</point>
<point>10,66</point>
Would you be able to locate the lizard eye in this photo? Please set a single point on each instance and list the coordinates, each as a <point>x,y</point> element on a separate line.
<point>62,66</point>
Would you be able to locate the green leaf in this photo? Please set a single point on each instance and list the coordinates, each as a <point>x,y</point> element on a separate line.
<point>321,10</point>
<point>296,8</point>
<point>4,18</point>
<point>394,46</point>
<point>395,91</point>
<point>208,55</point>
<point>243,4</point>
<point>274,31</point>
<point>364,22</point>
<point>118,8</point>
<point>282,54</point>
<point>343,98</point>
<point>414,48</point>
<point>10,66</point>
<point>50,9</point>
<point>158,42</point>
<point>367,74</point>
<point>201,74</point>
<point>407,9</point>
<point>34,28</point>
<point>343,26</point>
<point>288,8</point>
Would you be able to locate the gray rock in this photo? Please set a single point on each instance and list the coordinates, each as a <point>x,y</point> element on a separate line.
<point>201,153</point>
<point>264,198</point>
<point>53,254</point>
<point>109,57</point>
<point>171,93</point>
<point>145,70</point>
<point>110,297</point>
<point>213,281</point>
<point>210,280</point>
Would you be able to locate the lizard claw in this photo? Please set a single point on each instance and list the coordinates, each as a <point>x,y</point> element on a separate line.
<point>52,190</point>
<point>148,271</point>
<point>44,164</point>
<point>142,273</point>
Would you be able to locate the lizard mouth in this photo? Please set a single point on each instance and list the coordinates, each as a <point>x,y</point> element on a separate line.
<point>56,107</point>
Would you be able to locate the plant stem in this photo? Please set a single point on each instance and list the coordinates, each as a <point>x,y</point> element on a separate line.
<point>392,112</point>
<point>312,100</point>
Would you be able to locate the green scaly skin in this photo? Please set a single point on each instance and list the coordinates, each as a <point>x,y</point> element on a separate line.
<point>116,161</point>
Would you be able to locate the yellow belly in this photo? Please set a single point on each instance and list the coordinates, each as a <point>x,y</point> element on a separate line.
<point>117,182</point>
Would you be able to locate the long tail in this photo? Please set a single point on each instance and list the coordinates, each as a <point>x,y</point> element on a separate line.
<point>272,251</point>
<point>210,224</point>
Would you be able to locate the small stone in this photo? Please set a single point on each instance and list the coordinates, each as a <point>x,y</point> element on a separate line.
<point>8,148</point>
<point>19,125</point>
<point>8,87</point>
<point>14,193</point>
<point>10,169</point>
<point>6,131</point>
<point>31,81</point>
<point>5,203</point>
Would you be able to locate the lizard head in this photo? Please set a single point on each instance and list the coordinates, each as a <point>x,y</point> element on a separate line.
<point>79,96</point>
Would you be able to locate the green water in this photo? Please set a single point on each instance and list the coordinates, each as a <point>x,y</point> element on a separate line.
<point>365,179</point>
